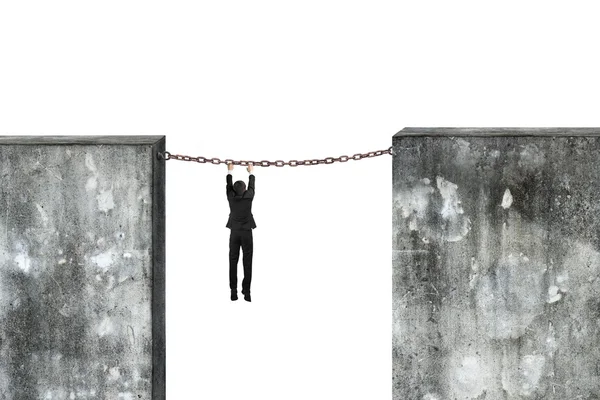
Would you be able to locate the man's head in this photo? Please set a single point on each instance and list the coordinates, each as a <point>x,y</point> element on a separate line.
<point>239,187</point>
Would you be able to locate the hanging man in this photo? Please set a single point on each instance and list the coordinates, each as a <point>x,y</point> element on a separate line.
<point>241,222</point>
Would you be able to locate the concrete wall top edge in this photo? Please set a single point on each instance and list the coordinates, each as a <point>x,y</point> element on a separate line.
<point>82,140</point>
<point>486,132</point>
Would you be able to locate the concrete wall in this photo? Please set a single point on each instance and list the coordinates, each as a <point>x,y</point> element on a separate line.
<point>496,264</point>
<point>81,239</point>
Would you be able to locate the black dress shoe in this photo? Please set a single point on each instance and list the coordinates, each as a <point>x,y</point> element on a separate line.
<point>234,295</point>
<point>247,296</point>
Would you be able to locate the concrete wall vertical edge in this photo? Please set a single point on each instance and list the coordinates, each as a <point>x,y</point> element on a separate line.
<point>391,287</point>
<point>158,273</point>
<point>394,177</point>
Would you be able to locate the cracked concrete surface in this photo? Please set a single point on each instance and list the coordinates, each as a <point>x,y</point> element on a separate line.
<point>76,250</point>
<point>496,264</point>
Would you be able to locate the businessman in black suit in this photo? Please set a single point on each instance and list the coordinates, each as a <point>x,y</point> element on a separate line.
<point>241,222</point>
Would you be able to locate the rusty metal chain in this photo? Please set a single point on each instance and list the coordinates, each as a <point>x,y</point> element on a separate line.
<point>278,163</point>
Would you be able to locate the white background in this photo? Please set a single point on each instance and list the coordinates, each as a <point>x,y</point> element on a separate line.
<point>268,80</point>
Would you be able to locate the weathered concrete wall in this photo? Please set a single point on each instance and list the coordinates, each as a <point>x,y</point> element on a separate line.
<point>496,264</point>
<point>80,242</point>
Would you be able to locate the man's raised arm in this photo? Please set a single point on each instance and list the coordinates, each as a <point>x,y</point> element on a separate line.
<point>229,179</point>
<point>251,180</point>
<point>251,183</point>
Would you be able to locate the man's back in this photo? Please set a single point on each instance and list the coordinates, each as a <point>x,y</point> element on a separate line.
<point>240,205</point>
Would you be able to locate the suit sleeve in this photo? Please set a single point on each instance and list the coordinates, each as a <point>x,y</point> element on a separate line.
<point>251,183</point>
<point>229,186</point>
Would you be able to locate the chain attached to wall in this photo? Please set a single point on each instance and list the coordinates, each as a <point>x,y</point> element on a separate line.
<point>279,163</point>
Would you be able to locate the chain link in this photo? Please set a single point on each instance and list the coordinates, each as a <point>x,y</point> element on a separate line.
<point>279,163</point>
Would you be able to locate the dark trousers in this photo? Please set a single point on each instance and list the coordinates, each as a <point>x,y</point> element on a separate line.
<point>243,239</point>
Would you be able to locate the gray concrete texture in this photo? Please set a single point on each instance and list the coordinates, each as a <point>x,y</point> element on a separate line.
<point>76,269</point>
<point>496,264</point>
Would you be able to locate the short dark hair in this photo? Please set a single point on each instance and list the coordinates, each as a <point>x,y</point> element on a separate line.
<point>239,187</point>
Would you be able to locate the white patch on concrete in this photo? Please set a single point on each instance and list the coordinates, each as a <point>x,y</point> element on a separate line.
<point>62,261</point>
<point>464,148</point>
<point>448,190</point>
<point>120,235</point>
<point>414,202</point>
<point>431,396</point>
<point>43,213</point>
<point>105,327</point>
<point>4,302</point>
<point>551,345</point>
<point>452,211</point>
<point>126,396</point>
<point>126,255</point>
<point>507,199</point>
<point>473,281</point>
<point>72,396</point>
<point>111,282</point>
<point>104,260</point>
<point>105,200</point>
<point>91,184</point>
<point>89,163</point>
<point>554,294</point>
<point>531,369</point>
<point>5,380</point>
<point>135,374</point>
<point>562,281</point>
<point>114,373</point>
<point>469,377</point>
<point>412,225</point>
<point>474,273</point>
<point>23,261</point>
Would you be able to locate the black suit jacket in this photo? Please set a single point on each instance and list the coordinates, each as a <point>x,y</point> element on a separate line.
<point>240,206</point>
